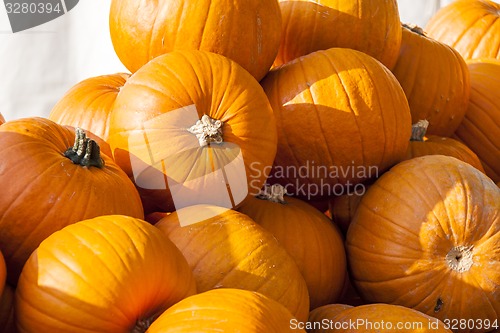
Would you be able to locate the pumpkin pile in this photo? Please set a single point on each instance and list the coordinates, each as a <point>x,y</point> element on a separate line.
<point>265,166</point>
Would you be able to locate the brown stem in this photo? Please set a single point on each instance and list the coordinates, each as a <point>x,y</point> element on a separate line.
<point>207,130</point>
<point>414,28</point>
<point>85,152</point>
<point>273,193</point>
<point>418,130</point>
<point>142,325</point>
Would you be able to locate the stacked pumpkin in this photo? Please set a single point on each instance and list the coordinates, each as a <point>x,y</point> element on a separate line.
<point>235,116</point>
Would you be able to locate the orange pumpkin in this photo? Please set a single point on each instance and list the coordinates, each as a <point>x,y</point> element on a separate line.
<point>308,236</point>
<point>480,128</point>
<point>379,318</point>
<point>327,312</point>
<point>108,274</point>
<point>193,127</point>
<point>7,322</point>
<point>225,310</point>
<point>425,236</point>
<point>342,208</point>
<point>421,145</point>
<point>227,249</point>
<point>435,79</point>
<point>88,104</point>
<point>471,27</point>
<point>246,31</point>
<point>342,118</point>
<point>52,178</point>
<point>370,26</point>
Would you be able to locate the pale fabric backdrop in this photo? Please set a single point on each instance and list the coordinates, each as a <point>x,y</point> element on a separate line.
<point>39,65</point>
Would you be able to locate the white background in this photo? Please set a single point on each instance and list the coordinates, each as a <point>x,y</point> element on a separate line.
<point>39,65</point>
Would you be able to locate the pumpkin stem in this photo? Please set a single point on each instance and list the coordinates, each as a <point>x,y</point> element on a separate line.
<point>414,28</point>
<point>460,258</point>
<point>207,130</point>
<point>418,130</point>
<point>273,193</point>
<point>85,152</point>
<point>142,325</point>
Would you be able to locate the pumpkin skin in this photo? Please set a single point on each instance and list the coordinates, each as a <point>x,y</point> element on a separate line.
<point>108,274</point>
<point>246,31</point>
<point>343,208</point>
<point>327,312</point>
<point>307,26</point>
<point>430,225</point>
<point>3,273</point>
<point>88,104</point>
<point>7,322</point>
<point>480,128</point>
<point>421,145</point>
<point>342,118</point>
<point>2,119</point>
<point>472,27</point>
<point>225,310</point>
<point>44,191</point>
<point>168,95</point>
<point>310,238</point>
<point>379,318</point>
<point>227,249</point>
<point>435,79</point>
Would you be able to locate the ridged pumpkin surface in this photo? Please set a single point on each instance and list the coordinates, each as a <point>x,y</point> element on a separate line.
<point>246,31</point>
<point>150,139</point>
<point>472,27</point>
<point>370,26</point>
<point>310,238</point>
<point>44,191</point>
<point>107,274</point>
<point>342,118</point>
<point>227,249</point>
<point>435,79</point>
<point>480,128</point>
<point>427,235</point>
<point>88,104</point>
<point>225,310</point>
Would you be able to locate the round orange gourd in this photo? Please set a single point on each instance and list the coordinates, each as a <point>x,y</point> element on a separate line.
<point>7,322</point>
<point>426,236</point>
<point>48,181</point>
<point>480,128</point>
<point>421,145</point>
<point>379,318</point>
<point>325,312</point>
<point>189,125</point>
<point>342,208</point>
<point>435,79</point>
<point>342,118</point>
<point>88,104</point>
<point>370,26</point>
<point>308,236</point>
<point>227,249</point>
<point>472,27</point>
<point>246,31</point>
<point>226,310</point>
<point>108,274</point>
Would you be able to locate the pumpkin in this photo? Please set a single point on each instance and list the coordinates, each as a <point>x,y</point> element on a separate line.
<point>435,79</point>
<point>193,127</point>
<point>88,104</point>
<point>430,225</point>
<point>107,274</point>
<point>421,145</point>
<point>225,310</point>
<point>52,177</point>
<point>342,118</point>
<point>227,249</point>
<point>342,208</point>
<point>471,27</point>
<point>480,128</point>
<point>370,26</point>
<point>246,31</point>
<point>7,322</point>
<point>378,318</point>
<point>308,236</point>
<point>326,311</point>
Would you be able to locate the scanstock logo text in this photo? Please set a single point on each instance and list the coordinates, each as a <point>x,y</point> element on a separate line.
<point>26,14</point>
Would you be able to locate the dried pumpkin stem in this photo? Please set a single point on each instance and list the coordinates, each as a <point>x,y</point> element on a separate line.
<point>207,130</point>
<point>418,130</point>
<point>85,152</point>
<point>142,325</point>
<point>460,258</point>
<point>414,28</point>
<point>273,193</point>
